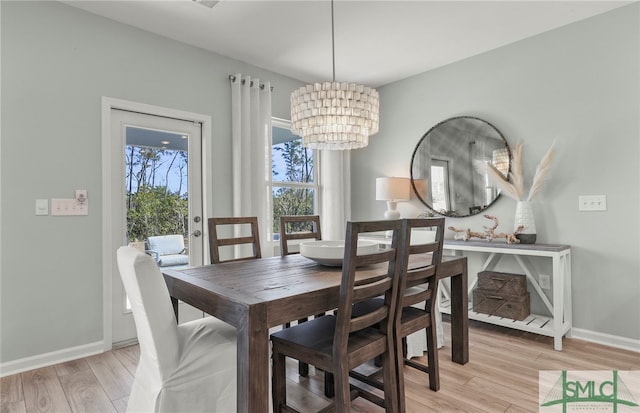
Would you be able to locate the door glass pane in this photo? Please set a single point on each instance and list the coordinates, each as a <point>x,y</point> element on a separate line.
<point>157,202</point>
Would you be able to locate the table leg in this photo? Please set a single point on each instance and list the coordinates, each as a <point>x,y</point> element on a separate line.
<point>253,362</point>
<point>174,303</point>
<point>460,316</point>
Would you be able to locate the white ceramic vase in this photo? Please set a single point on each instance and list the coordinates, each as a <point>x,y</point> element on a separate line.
<point>524,216</point>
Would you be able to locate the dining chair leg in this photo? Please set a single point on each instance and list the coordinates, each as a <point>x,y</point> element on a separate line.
<point>303,368</point>
<point>398,360</point>
<point>329,383</point>
<point>432,359</point>
<point>279,384</point>
<point>342,397</point>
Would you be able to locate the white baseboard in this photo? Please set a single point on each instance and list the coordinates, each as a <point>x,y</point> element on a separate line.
<point>49,359</point>
<point>606,339</point>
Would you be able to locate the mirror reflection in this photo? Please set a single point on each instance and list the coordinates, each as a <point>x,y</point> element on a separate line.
<point>442,172</point>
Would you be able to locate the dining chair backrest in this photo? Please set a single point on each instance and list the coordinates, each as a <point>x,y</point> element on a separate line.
<point>417,295</point>
<point>421,261</point>
<point>372,281</point>
<point>152,310</point>
<point>236,225</point>
<point>298,227</point>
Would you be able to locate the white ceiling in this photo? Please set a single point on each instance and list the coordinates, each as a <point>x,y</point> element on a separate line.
<point>376,42</point>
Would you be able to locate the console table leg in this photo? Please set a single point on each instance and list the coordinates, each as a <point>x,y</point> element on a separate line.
<point>558,304</point>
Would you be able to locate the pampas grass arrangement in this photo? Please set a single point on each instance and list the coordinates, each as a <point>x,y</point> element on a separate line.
<point>515,188</point>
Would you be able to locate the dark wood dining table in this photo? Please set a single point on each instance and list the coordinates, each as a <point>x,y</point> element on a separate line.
<point>255,295</point>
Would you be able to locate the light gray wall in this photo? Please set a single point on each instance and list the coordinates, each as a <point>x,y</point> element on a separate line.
<point>57,62</point>
<point>578,85</point>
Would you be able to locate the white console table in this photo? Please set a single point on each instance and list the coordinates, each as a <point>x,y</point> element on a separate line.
<point>560,322</point>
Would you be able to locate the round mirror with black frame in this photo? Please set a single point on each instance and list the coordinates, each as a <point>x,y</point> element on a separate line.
<point>442,173</point>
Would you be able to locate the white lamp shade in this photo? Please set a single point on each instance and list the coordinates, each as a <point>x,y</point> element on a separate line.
<point>393,189</point>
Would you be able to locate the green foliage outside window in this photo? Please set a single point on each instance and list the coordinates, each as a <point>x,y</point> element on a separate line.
<point>295,165</point>
<point>156,201</point>
<point>156,211</point>
<point>158,205</point>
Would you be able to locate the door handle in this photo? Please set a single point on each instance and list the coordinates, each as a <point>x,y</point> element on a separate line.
<point>197,233</point>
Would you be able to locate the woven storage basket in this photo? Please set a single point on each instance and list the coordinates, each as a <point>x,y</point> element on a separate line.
<point>502,282</point>
<point>515,307</point>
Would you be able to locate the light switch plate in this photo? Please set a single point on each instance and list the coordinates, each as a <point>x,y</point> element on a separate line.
<point>592,203</point>
<point>42,207</point>
<point>65,207</point>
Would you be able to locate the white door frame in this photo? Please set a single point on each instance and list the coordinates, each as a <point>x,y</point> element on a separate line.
<point>108,255</point>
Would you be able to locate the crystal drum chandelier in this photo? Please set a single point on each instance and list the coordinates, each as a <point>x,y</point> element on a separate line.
<point>334,115</point>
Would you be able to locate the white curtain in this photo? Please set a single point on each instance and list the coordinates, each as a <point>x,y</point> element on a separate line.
<point>251,154</point>
<point>335,193</point>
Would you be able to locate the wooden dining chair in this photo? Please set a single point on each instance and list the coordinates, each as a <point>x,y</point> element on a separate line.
<point>298,227</point>
<point>416,301</point>
<point>338,343</point>
<point>216,242</point>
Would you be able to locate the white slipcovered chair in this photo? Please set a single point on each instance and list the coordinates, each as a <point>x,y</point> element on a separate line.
<point>184,368</point>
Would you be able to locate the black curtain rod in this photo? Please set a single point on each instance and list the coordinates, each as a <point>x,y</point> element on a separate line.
<point>233,79</point>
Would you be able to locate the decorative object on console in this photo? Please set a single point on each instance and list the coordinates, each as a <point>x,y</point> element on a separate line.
<point>392,190</point>
<point>426,214</point>
<point>334,115</point>
<point>524,219</point>
<point>489,233</point>
<point>515,189</point>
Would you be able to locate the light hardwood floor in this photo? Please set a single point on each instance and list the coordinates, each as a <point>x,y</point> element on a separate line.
<point>501,376</point>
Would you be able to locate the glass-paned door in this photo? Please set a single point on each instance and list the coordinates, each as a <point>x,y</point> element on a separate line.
<point>157,205</point>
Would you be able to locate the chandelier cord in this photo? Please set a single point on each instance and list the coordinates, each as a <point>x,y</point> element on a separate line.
<point>333,45</point>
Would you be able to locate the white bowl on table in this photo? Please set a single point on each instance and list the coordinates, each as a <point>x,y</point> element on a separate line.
<point>331,253</point>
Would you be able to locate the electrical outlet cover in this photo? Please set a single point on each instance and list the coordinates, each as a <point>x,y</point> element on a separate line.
<point>545,281</point>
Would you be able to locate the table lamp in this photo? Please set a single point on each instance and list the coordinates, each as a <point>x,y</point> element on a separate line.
<point>392,190</point>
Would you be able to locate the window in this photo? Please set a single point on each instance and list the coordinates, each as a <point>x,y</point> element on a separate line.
<point>294,175</point>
